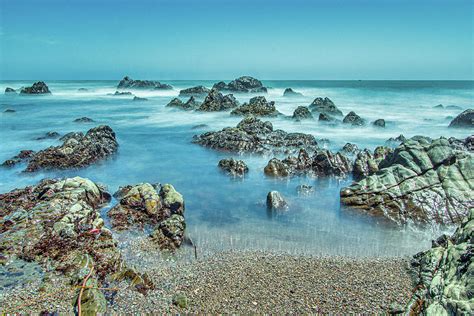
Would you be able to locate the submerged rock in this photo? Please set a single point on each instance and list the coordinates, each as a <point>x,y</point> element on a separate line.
<point>129,83</point>
<point>49,135</point>
<point>77,150</point>
<point>82,90</point>
<point>291,93</point>
<point>22,156</point>
<point>305,189</point>
<point>422,181</point>
<point>254,135</point>
<point>257,106</point>
<point>465,119</point>
<point>367,163</point>
<point>84,119</point>
<point>245,84</point>
<point>215,101</point>
<point>276,202</point>
<point>9,111</point>
<point>9,90</point>
<point>233,166</point>
<point>353,119</point>
<point>379,123</point>
<point>325,106</point>
<point>194,91</point>
<point>37,88</point>
<point>302,113</point>
<point>135,98</point>
<point>189,105</point>
<point>120,93</point>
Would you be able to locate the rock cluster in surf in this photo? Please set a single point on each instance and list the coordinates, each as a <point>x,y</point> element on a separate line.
<point>129,83</point>
<point>245,84</point>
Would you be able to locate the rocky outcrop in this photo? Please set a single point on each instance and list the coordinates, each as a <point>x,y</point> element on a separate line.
<point>367,164</point>
<point>233,166</point>
<point>120,93</point>
<point>302,113</point>
<point>254,135</point>
<point>326,118</point>
<point>142,205</point>
<point>37,88</point>
<point>323,163</point>
<point>77,150</point>
<point>325,106</point>
<point>129,83</point>
<point>9,90</point>
<point>379,123</point>
<point>83,119</point>
<point>445,274</point>
<point>194,91</point>
<point>257,106</point>
<point>135,98</point>
<point>353,119</point>
<point>22,156</point>
<point>245,84</point>
<point>215,101</point>
<point>422,181</point>
<point>350,149</point>
<point>291,93</point>
<point>189,105</point>
<point>465,119</point>
<point>276,202</point>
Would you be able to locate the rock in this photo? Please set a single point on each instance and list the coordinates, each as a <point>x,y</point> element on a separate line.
<point>290,93</point>
<point>194,91</point>
<point>302,113</point>
<point>325,106</point>
<point>215,101</point>
<point>421,181</point>
<point>200,126</point>
<point>304,189</point>
<point>118,93</point>
<point>465,119</point>
<point>180,300</point>
<point>84,120</point>
<point>9,90</point>
<point>128,83</point>
<point>395,141</point>
<point>367,164</point>
<point>353,119</point>
<point>254,135</point>
<point>439,106</point>
<point>49,135</point>
<point>76,151</point>
<point>169,234</point>
<point>453,107</point>
<point>350,149</point>
<point>257,106</point>
<point>37,88</point>
<point>82,90</point>
<point>276,202</point>
<point>135,98</point>
<point>444,274</point>
<point>9,111</point>
<point>326,118</point>
<point>233,167</point>
<point>462,144</point>
<point>22,156</point>
<point>379,123</point>
<point>191,104</point>
<point>244,84</point>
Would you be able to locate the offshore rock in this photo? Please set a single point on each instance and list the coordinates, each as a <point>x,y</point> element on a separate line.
<point>233,166</point>
<point>129,83</point>
<point>194,91</point>
<point>325,106</point>
<point>83,119</point>
<point>379,123</point>
<point>37,88</point>
<point>22,156</point>
<point>245,84</point>
<point>257,106</point>
<point>465,119</point>
<point>189,105</point>
<point>291,93</point>
<point>302,113</point>
<point>276,202</point>
<point>215,101</point>
<point>353,119</point>
<point>9,90</point>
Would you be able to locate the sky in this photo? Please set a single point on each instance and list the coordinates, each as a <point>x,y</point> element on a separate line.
<point>223,39</point>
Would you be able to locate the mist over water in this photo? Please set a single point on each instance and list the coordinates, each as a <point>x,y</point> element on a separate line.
<point>223,212</point>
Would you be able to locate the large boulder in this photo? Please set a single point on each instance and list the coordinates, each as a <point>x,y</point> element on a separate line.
<point>77,150</point>
<point>245,84</point>
<point>233,166</point>
<point>37,88</point>
<point>254,135</point>
<point>422,181</point>
<point>129,83</point>
<point>302,113</point>
<point>189,105</point>
<point>215,101</point>
<point>291,93</point>
<point>353,119</point>
<point>257,106</point>
<point>325,106</point>
<point>379,123</point>
<point>444,274</point>
<point>367,164</point>
<point>276,202</point>
<point>465,119</point>
<point>194,91</point>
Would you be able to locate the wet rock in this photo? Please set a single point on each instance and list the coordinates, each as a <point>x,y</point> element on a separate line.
<point>439,106</point>
<point>257,106</point>
<point>200,126</point>
<point>304,189</point>
<point>9,90</point>
<point>444,275</point>
<point>254,135</point>
<point>49,135</point>
<point>194,91</point>
<point>189,105</point>
<point>233,166</point>
<point>395,141</point>
<point>84,120</point>
<point>422,181</point>
<point>367,163</point>
<point>464,120</point>
<point>215,101</point>
<point>291,93</point>
<point>37,88</point>
<point>325,118</point>
<point>462,144</point>
<point>22,156</point>
<point>135,98</point>
<point>77,150</point>
<point>245,84</point>
<point>350,149</point>
<point>324,105</point>
<point>379,123</point>
<point>82,90</point>
<point>9,111</point>
<point>276,202</point>
<point>129,83</point>
<point>119,93</point>
<point>353,119</point>
<point>453,107</point>
<point>302,113</point>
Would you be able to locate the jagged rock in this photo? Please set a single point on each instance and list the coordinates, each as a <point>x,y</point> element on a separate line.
<point>119,93</point>
<point>291,93</point>
<point>322,164</point>
<point>215,101</point>
<point>233,166</point>
<point>353,119</point>
<point>37,88</point>
<point>367,164</point>
<point>9,90</point>
<point>462,144</point>
<point>194,91</point>
<point>191,104</point>
<point>325,106</point>
<point>444,274</point>
<point>424,182</point>
<point>350,149</point>
<point>254,135</point>
<point>77,150</point>
<point>84,120</point>
<point>379,123</point>
<point>276,202</point>
<point>9,111</point>
<point>22,156</point>
<point>49,135</point>
<point>135,98</point>
<point>257,106</point>
<point>302,113</point>
<point>304,189</point>
<point>129,83</point>
<point>465,119</point>
<point>325,118</point>
<point>243,84</point>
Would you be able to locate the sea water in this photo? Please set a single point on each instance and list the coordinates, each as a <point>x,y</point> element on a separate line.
<point>226,213</point>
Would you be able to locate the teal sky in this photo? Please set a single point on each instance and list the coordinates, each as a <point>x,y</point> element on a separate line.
<point>210,39</point>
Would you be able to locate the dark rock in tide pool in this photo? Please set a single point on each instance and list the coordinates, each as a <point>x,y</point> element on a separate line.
<point>135,98</point>
<point>464,120</point>
<point>9,111</point>
<point>215,101</point>
<point>22,156</point>
<point>245,84</point>
<point>325,106</point>
<point>353,119</point>
<point>9,90</point>
<point>79,151</point>
<point>129,83</point>
<point>367,164</point>
<point>37,88</point>
<point>257,106</point>
<point>189,105</point>
<point>379,123</point>
<point>194,91</point>
<point>83,120</point>
<point>276,202</point>
<point>49,135</point>
<point>291,93</point>
<point>302,113</point>
<point>233,166</point>
<point>254,135</point>
<point>118,93</point>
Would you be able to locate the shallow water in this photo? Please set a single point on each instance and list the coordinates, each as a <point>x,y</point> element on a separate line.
<point>223,212</point>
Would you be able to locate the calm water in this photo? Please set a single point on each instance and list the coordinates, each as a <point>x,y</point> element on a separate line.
<point>222,212</point>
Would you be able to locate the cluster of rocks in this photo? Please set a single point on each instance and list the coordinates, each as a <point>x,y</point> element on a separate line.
<point>324,106</point>
<point>189,105</point>
<point>49,135</point>
<point>216,101</point>
<point>291,93</point>
<point>37,88</point>
<point>197,91</point>
<point>245,84</point>
<point>22,156</point>
<point>129,83</point>
<point>233,166</point>
<point>367,163</point>
<point>120,93</point>
<point>302,113</point>
<point>257,106</point>
<point>465,119</point>
<point>253,135</point>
